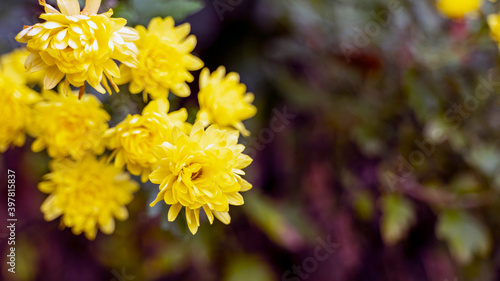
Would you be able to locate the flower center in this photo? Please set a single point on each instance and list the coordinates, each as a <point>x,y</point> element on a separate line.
<point>196,175</point>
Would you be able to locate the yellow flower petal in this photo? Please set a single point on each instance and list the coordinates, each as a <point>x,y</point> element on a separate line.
<point>209,213</point>
<point>109,227</point>
<point>235,199</point>
<point>174,211</point>
<point>91,7</point>
<point>224,217</point>
<point>52,77</point>
<point>48,8</point>
<point>34,64</point>
<point>69,7</point>
<point>191,220</point>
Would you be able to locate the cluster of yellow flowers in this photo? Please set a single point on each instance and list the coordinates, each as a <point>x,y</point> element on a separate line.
<point>458,9</point>
<point>196,166</point>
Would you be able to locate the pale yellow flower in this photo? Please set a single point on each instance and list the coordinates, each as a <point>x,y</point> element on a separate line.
<point>457,9</point>
<point>68,126</point>
<point>201,170</point>
<point>224,100</point>
<point>133,139</point>
<point>88,194</point>
<point>80,45</point>
<point>165,60</point>
<point>12,66</point>
<point>15,106</point>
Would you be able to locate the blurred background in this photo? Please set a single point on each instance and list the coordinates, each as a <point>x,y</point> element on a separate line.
<point>375,147</point>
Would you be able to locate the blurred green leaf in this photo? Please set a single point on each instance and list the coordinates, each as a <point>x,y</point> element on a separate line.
<point>245,268</point>
<point>464,234</point>
<point>26,260</point>
<point>363,205</point>
<point>398,216</point>
<point>265,214</point>
<point>173,258</point>
<point>486,158</point>
<point>142,11</point>
<point>465,183</point>
<point>420,95</point>
<point>367,139</point>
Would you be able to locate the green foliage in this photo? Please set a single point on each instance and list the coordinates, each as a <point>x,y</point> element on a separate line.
<point>26,260</point>
<point>465,183</point>
<point>398,215</point>
<point>248,268</point>
<point>486,159</point>
<point>363,205</point>
<point>267,216</point>
<point>465,235</point>
<point>141,11</point>
<point>421,78</point>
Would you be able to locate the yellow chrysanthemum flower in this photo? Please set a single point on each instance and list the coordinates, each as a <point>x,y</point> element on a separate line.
<point>133,140</point>
<point>201,170</point>
<point>15,105</point>
<point>164,60</point>
<point>224,101</point>
<point>80,45</point>
<point>68,126</point>
<point>457,9</point>
<point>12,66</point>
<point>88,194</point>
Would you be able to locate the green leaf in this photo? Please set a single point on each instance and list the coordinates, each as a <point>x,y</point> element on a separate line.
<point>363,205</point>
<point>268,216</point>
<point>420,96</point>
<point>244,268</point>
<point>26,259</point>
<point>486,158</point>
<point>465,182</point>
<point>142,11</point>
<point>464,234</point>
<point>398,216</point>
